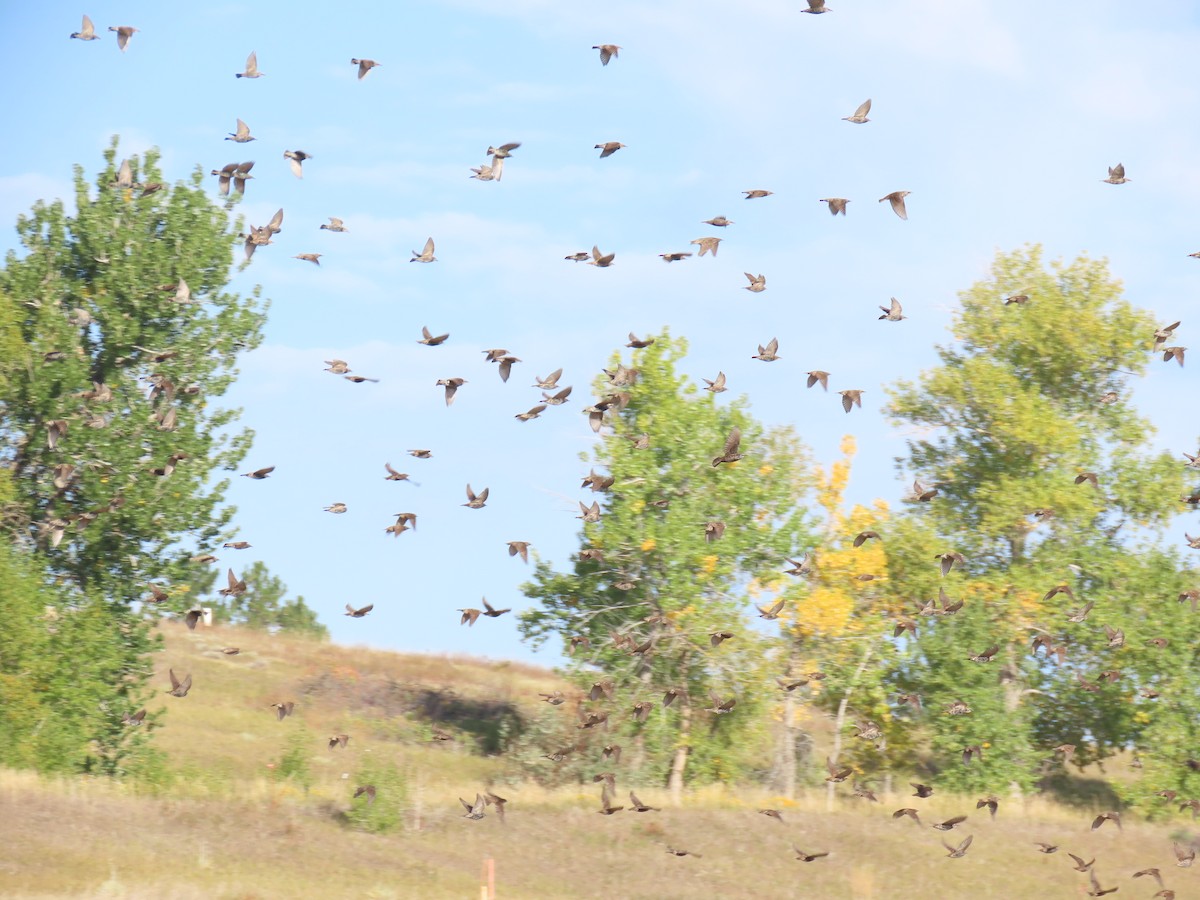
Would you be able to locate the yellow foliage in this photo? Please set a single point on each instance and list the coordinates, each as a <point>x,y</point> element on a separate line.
<point>765,469</point>
<point>638,506</point>
<point>708,564</point>
<point>649,544</point>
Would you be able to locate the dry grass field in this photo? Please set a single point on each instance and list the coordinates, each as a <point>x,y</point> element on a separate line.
<point>228,828</point>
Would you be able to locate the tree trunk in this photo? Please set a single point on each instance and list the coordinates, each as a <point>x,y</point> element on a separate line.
<point>787,760</point>
<point>679,761</point>
<point>840,721</point>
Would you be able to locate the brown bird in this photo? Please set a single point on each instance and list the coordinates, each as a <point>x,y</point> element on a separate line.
<point>589,513</point>
<point>296,160</point>
<point>1045,848</point>
<point>922,790</point>
<point>948,560</point>
<point>1175,353</point>
<point>1081,614</point>
<point>393,475</point>
<point>86,32</point>
<point>991,803</point>
<point>816,7</point>
<point>894,312</point>
<point>638,343</point>
<point>1017,299</point>
<point>1184,856</point>
<point>192,617</point>
<point>769,352</point>
<point>716,637</point>
<point>713,531</point>
<point>1096,890</point>
<point>520,548</point>
<point>235,586</point>
<point>251,67</point>
<point>505,366</point>
<point>179,688</point>
<point>718,222</point>
<point>896,198</point>
<point>708,245</point>
<point>132,719</point>
<point>959,851</point>
<point>758,283</point>
<point>720,707</point>
<point>124,33</point>
<point>1116,175</point>
<point>863,536</point>
<point>1088,477</point>
<point>674,257</point>
<point>639,807</point>
<point>367,790</point>
<point>836,205</point>
<point>470,616</point>
<point>860,114</point>
<point>909,812</point>
<point>717,385</point>
<point>451,385</point>
<point>283,709</point>
<point>241,135</point>
<point>773,813</point>
<point>364,66</point>
<point>335,224</point>
<point>580,256</point>
<point>850,399</point>
<point>497,801</point>
<point>338,740</point>
<point>608,148</point>
<point>259,474</point>
<point>426,254</point>
<point>491,612</point>
<point>430,340</point>
<point>474,811</point>
<point>674,852</point>
<point>601,260</point>
<point>771,613</point>
<point>531,413</point>
<point>836,775</point>
<point>358,613</point>
<point>815,376</point>
<point>607,52</point>
<point>476,501</point>
<point>974,750</point>
<point>807,857</point>
<point>986,655</point>
<point>950,823</point>
<point>309,257</point>
<point>757,194</point>
<point>1164,334</point>
<point>1114,817</point>
<point>730,453</point>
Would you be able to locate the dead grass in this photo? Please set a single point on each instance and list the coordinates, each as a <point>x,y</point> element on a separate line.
<point>228,828</point>
<point>82,839</point>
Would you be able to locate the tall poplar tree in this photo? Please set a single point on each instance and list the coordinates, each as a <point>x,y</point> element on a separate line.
<point>669,563</point>
<point>111,428</point>
<point>1044,476</point>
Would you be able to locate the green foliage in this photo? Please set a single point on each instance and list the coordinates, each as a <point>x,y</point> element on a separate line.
<point>385,813</point>
<point>263,606</point>
<point>295,762</point>
<point>661,581</point>
<point>1030,396</point>
<point>85,324</point>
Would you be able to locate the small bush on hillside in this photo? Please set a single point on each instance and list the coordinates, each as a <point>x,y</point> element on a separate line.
<point>385,812</point>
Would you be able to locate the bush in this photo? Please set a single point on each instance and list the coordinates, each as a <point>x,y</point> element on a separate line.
<point>385,813</point>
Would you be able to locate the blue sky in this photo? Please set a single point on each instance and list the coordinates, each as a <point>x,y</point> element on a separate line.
<point>1000,122</point>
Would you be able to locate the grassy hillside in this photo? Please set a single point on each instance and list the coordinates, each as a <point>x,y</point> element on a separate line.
<point>229,826</point>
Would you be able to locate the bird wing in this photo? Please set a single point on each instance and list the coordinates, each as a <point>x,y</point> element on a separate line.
<point>428,251</point>
<point>863,109</point>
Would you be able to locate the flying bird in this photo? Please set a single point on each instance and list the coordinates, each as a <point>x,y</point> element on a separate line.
<point>358,613</point>
<point>242,134</point>
<point>179,688</point>
<point>251,67</point>
<point>476,501</point>
<point>860,114</point>
<point>896,198</point>
<point>364,66</point>
<point>87,31</point>
<point>608,148</point>
<point>836,205</point>
<point>607,52</point>
<point>124,33</point>
<point>296,160</point>
<point>1116,175</point>
<point>426,255</point>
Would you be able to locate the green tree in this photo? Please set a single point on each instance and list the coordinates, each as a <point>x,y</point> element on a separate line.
<point>263,606</point>
<point>669,563</point>
<point>1030,396</point>
<point>110,425</point>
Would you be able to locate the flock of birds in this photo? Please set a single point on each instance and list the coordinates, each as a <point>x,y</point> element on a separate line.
<point>233,177</point>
